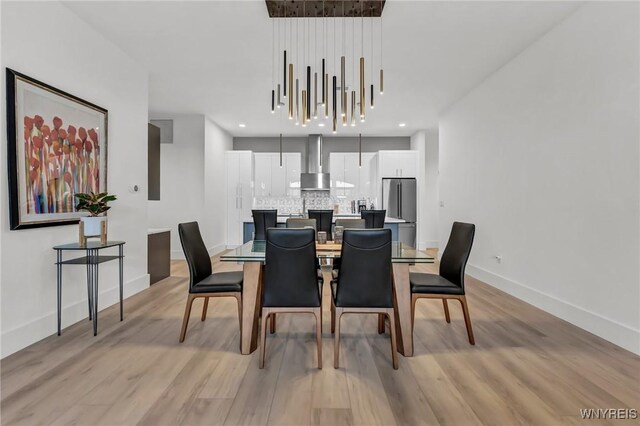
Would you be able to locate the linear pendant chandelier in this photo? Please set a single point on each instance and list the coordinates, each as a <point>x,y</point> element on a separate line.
<point>311,41</point>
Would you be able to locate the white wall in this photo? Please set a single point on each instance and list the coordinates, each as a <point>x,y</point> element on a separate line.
<point>543,157</point>
<point>76,59</point>
<point>192,181</point>
<point>181,178</point>
<point>426,143</point>
<point>216,142</point>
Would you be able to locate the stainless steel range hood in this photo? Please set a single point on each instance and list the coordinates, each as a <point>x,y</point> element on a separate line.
<point>314,179</point>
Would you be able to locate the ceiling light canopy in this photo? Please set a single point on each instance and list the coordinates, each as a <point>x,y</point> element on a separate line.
<point>312,37</point>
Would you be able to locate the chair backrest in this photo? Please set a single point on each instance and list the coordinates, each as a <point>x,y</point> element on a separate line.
<point>290,278</point>
<point>323,218</point>
<point>263,219</point>
<point>195,251</point>
<point>365,272</point>
<point>373,218</point>
<point>296,222</point>
<point>456,253</point>
<point>351,223</point>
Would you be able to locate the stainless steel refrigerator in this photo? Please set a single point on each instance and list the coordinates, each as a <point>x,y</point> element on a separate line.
<point>400,200</point>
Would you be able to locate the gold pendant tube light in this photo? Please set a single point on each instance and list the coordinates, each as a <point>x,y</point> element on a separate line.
<point>304,108</point>
<point>315,96</point>
<point>345,102</point>
<point>353,108</point>
<point>297,101</point>
<point>290,91</point>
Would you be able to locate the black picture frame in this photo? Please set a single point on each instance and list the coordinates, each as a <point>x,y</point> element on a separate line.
<point>17,218</point>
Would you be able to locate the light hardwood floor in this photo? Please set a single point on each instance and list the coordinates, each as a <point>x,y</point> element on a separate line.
<point>527,367</point>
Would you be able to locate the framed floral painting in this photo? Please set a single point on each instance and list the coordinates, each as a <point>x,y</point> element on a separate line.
<point>57,147</point>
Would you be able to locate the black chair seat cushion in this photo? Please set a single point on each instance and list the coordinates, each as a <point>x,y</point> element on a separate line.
<point>432,284</point>
<point>219,282</point>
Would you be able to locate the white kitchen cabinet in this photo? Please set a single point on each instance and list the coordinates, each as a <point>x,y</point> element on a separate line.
<point>239,180</point>
<point>348,178</point>
<point>293,161</point>
<point>262,174</point>
<point>397,164</point>
<point>271,180</point>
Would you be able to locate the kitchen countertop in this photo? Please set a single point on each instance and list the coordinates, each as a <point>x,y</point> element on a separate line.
<point>283,219</point>
<point>157,230</point>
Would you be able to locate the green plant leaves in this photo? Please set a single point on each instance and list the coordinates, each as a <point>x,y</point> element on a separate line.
<point>95,204</point>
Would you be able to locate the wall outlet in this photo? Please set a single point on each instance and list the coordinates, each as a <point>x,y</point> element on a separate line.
<point>499,259</point>
<point>441,203</point>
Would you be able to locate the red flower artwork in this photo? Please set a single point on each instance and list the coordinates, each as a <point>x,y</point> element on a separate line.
<point>60,162</point>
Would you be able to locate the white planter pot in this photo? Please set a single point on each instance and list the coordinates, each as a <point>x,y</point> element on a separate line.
<point>93,225</point>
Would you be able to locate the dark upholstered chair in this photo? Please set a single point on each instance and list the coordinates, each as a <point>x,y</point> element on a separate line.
<point>290,281</point>
<point>351,223</point>
<point>203,282</point>
<point>262,220</point>
<point>364,285</point>
<point>324,219</point>
<point>373,218</point>
<point>297,222</point>
<point>449,284</point>
<point>346,224</point>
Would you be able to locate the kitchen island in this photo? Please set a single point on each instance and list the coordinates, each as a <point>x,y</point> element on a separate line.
<point>389,223</point>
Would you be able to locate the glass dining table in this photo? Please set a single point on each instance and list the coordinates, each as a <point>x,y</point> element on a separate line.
<point>252,256</point>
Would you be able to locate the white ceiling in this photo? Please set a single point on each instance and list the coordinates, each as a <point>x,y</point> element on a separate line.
<point>214,57</point>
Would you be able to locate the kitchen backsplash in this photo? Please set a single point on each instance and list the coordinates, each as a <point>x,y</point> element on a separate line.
<point>314,200</point>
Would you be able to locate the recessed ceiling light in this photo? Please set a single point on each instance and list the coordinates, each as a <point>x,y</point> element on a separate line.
<point>402,124</point>
<point>320,124</point>
<point>242,125</point>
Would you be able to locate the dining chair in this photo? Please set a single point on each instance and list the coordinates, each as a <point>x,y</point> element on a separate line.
<point>351,223</point>
<point>324,220</point>
<point>346,224</point>
<point>449,283</point>
<point>373,218</point>
<point>203,282</point>
<point>297,222</point>
<point>290,283</point>
<point>364,285</point>
<point>263,219</point>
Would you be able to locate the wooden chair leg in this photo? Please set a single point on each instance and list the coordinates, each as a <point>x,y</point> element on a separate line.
<point>272,327</point>
<point>239,299</point>
<point>263,337</point>
<point>185,320</point>
<point>333,318</point>
<point>204,309</point>
<point>446,310</point>
<point>467,319</point>
<point>336,339</point>
<point>414,300</point>
<point>380,323</point>
<point>318,313</point>
<point>394,344</point>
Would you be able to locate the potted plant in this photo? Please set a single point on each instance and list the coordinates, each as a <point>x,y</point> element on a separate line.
<point>96,205</point>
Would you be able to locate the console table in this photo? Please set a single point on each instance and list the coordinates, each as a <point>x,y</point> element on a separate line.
<point>92,259</point>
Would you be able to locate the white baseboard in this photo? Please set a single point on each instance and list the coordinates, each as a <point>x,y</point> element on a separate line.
<point>610,330</point>
<point>179,254</point>
<point>423,245</point>
<point>26,334</point>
